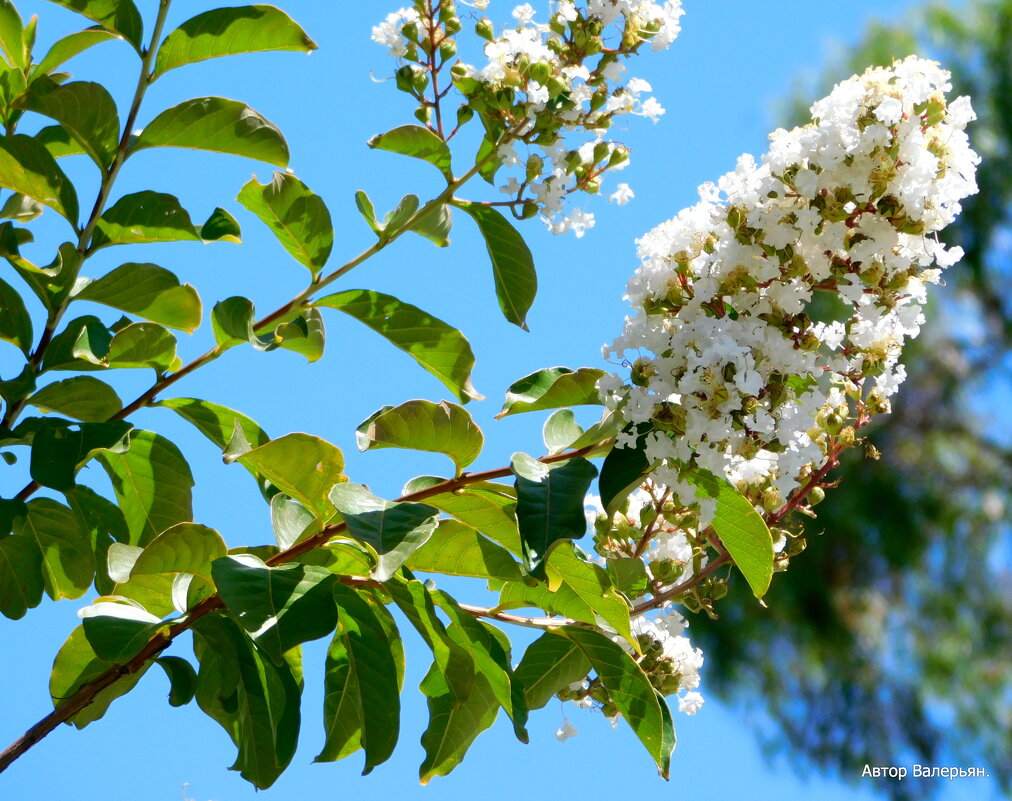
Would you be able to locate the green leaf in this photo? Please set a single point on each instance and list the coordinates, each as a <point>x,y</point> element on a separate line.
<point>59,448</point>
<point>304,334</point>
<point>425,426</point>
<point>584,592</point>
<point>119,16</point>
<point>298,218</point>
<point>291,520</point>
<point>631,690</point>
<point>629,575</point>
<point>435,225</point>
<point>68,558</point>
<point>516,282</point>
<point>117,631</point>
<point>15,323</point>
<point>152,483</point>
<point>221,227</point>
<point>77,664</point>
<point>395,220</point>
<point>368,212</point>
<point>303,466</point>
<point>279,607</point>
<point>231,31</point>
<point>552,388</point>
<point>84,109</point>
<point>144,217</point>
<point>58,142</point>
<point>436,346</point>
<point>741,529</point>
<point>624,469</point>
<point>182,548</point>
<point>106,527</point>
<point>550,502</point>
<point>416,141</point>
<point>182,679</point>
<point>142,345</point>
<point>486,507</point>
<point>219,125</point>
<point>149,291</point>
<point>216,422</point>
<point>82,397</point>
<point>253,699</point>
<point>490,650</point>
<point>21,208</point>
<point>393,530</point>
<point>27,167</point>
<point>551,663</point>
<point>83,336</point>
<point>456,549</point>
<point>21,582</point>
<point>362,685</point>
<point>12,39</point>
<point>559,430</point>
<point>453,724</point>
<point>454,662</point>
<point>232,322</point>
<point>69,46</point>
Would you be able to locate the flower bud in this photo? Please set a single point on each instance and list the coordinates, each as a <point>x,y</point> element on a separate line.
<point>485,29</point>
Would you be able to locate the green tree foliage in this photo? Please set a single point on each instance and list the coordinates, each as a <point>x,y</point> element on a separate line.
<point>890,643</point>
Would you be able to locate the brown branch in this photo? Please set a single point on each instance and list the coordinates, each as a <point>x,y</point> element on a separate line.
<point>85,694</point>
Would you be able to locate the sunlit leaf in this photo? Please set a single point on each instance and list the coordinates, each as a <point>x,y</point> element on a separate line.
<point>26,166</point>
<point>303,466</point>
<point>144,217</point>
<point>68,558</point>
<point>552,388</point>
<point>148,291</point>
<point>119,16</point>
<point>82,397</point>
<point>456,549</point>
<point>414,140</point>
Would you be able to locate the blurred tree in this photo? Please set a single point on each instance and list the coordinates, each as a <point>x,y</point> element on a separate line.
<point>890,642</point>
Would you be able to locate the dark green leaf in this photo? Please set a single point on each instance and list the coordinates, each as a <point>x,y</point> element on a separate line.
<point>624,469</point>
<point>15,323</point>
<point>83,336</point>
<point>426,426</point>
<point>77,664</point>
<point>552,388</point>
<point>254,700</point>
<point>216,422</point>
<point>631,690</point>
<point>58,142</point>
<point>436,346</point>
<point>21,582</point>
<point>68,558</point>
<point>148,291</point>
<point>297,217</point>
<point>82,397</point>
<point>117,631</point>
<point>85,110</point>
<point>230,31</point>
<point>551,663</point>
<point>144,217</point>
<point>232,322</point>
<point>516,282</point>
<point>219,125</point>
<point>583,592</point>
<point>104,523</point>
<point>458,550</point>
<point>488,160</point>
<point>26,166</point>
<point>550,502</point>
<point>364,670</point>
<point>280,607</point>
<point>453,724</point>
<point>118,16</point>
<point>69,46</point>
<point>490,650</point>
<point>414,140</point>
<point>182,679</point>
<point>303,466</point>
<point>152,483</point>
<point>393,530</point>
<point>741,529</point>
<point>221,227</point>
<point>59,450</point>
<point>453,662</point>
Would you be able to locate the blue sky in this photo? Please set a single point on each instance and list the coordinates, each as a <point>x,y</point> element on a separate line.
<point>719,82</point>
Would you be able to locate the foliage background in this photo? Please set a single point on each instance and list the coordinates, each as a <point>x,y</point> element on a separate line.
<point>719,83</point>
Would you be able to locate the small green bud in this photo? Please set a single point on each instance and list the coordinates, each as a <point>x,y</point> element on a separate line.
<point>447,49</point>
<point>816,496</point>
<point>464,114</point>
<point>485,29</point>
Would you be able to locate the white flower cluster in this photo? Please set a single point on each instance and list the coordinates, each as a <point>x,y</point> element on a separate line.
<point>770,316</point>
<point>548,85</point>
